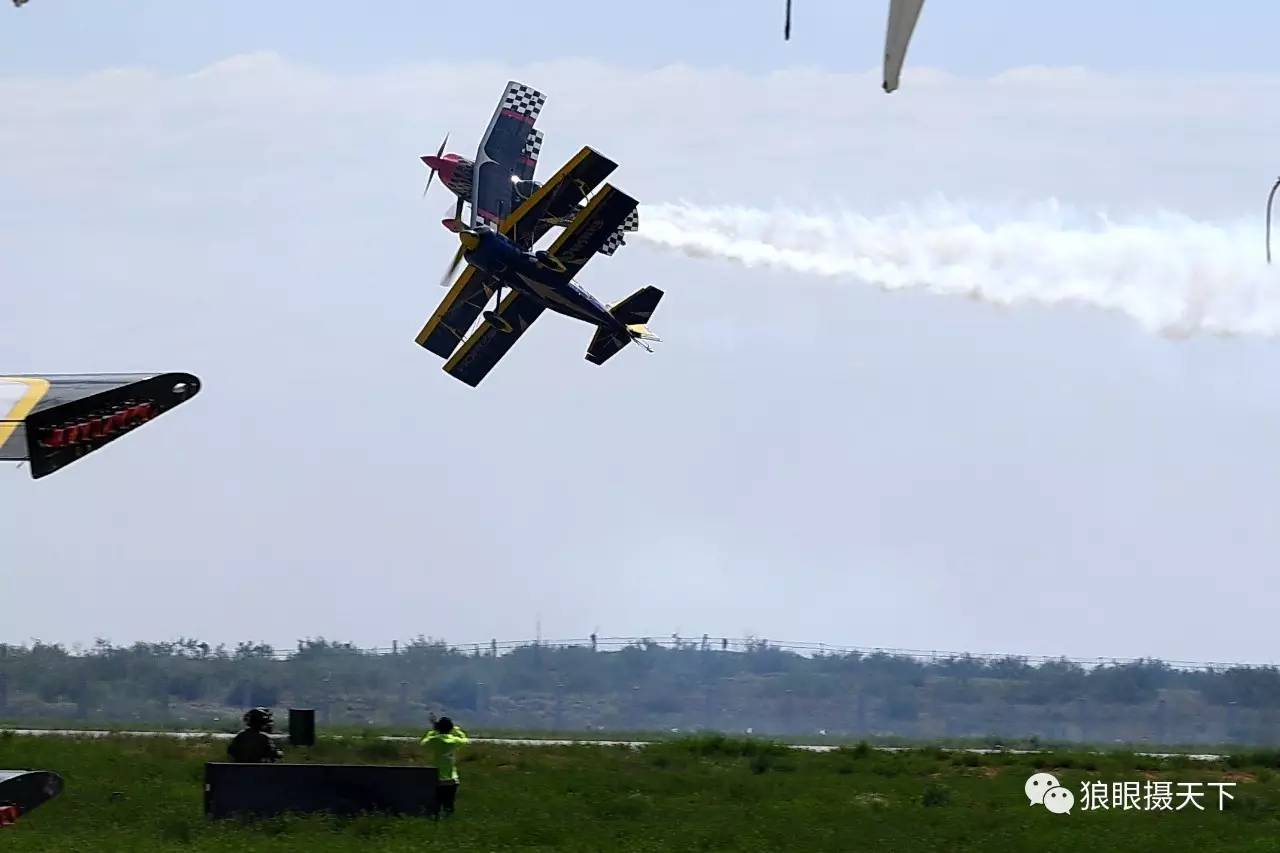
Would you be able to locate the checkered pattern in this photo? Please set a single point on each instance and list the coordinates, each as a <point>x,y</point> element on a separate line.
<point>609,246</point>
<point>618,238</point>
<point>523,99</point>
<point>460,180</point>
<point>532,146</point>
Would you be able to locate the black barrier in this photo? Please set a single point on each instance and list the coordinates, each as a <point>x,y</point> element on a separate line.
<point>263,790</point>
<point>27,789</point>
<point>302,727</point>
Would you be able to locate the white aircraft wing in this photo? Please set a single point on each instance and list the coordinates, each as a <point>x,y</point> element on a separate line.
<point>903,15</point>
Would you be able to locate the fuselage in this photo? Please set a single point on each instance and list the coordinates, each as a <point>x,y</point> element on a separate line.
<point>458,174</point>
<point>538,275</point>
<point>455,171</point>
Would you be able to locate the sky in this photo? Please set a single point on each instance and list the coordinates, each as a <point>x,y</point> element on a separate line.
<point>234,190</point>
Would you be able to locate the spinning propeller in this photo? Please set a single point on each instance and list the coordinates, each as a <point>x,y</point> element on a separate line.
<point>432,174</point>
<point>469,240</point>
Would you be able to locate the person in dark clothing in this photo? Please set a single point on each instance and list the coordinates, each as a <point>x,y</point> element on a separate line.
<point>254,745</point>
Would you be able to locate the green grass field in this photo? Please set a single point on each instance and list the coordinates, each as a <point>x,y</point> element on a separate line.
<point>144,794</point>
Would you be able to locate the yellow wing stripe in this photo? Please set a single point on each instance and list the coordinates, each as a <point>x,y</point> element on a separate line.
<point>581,220</point>
<point>533,201</point>
<point>485,328</point>
<point>17,413</point>
<point>446,305</point>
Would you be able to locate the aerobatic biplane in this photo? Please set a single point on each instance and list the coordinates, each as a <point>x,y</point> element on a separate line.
<point>52,421</point>
<point>500,179</point>
<point>503,258</point>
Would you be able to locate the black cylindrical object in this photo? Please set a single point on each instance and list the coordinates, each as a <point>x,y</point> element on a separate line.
<point>302,727</point>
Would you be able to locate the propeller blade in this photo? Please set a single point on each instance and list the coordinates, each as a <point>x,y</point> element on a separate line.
<point>439,153</point>
<point>448,274</point>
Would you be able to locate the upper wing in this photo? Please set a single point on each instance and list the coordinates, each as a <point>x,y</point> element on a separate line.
<point>477,356</point>
<point>618,238</point>
<point>55,420</point>
<point>558,198</point>
<point>592,228</point>
<point>903,15</point>
<point>458,310</point>
<point>500,151</point>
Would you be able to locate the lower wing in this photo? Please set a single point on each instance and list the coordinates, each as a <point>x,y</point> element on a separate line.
<point>489,343</point>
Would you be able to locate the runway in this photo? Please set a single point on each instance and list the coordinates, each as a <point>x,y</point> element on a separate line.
<point>635,744</point>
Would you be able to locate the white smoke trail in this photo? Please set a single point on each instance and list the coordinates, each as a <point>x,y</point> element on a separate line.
<point>1173,275</point>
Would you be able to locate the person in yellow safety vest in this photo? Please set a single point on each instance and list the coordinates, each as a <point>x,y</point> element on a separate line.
<point>441,743</point>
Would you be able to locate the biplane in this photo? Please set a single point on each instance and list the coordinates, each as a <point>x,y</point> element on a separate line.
<point>503,258</point>
<point>500,178</point>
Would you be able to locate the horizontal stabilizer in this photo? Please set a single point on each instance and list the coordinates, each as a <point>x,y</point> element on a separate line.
<point>634,312</point>
<point>605,345</point>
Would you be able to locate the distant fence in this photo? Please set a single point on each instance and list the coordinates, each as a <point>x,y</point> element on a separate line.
<point>674,642</point>
<point>740,645</point>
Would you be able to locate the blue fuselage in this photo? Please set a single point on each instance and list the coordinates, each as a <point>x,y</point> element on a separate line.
<point>541,278</point>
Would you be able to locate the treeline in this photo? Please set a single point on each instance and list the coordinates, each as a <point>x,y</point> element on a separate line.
<point>645,686</point>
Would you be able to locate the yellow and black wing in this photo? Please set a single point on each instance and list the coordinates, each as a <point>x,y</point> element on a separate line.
<point>460,307</point>
<point>489,343</point>
<point>558,199</point>
<point>592,228</point>
<point>54,420</point>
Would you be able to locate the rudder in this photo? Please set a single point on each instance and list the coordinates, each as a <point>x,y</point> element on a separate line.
<point>634,312</point>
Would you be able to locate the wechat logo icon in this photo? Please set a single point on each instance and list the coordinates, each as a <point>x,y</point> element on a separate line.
<point>1042,789</point>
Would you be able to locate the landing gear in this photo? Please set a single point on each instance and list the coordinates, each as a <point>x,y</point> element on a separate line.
<point>499,323</point>
<point>549,261</point>
<point>493,318</point>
